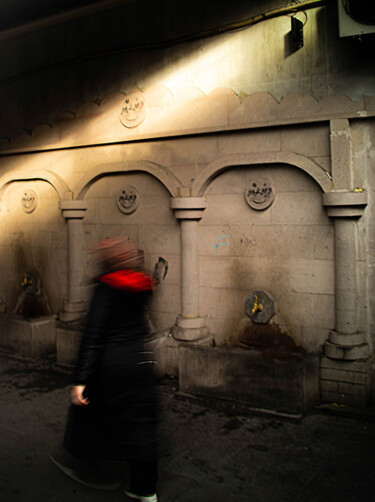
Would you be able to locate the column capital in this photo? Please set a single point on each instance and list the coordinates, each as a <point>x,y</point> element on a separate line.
<point>74,209</point>
<point>345,204</point>
<point>188,208</point>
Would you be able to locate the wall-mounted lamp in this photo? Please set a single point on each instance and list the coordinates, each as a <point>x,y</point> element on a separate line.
<point>297,33</point>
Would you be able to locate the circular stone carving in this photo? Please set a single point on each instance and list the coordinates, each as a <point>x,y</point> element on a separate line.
<point>128,199</point>
<point>260,193</point>
<point>29,201</point>
<point>134,110</point>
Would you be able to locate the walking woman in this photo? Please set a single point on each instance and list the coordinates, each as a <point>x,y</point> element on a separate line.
<point>114,403</point>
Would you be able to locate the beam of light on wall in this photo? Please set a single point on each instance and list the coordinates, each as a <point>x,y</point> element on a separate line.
<point>234,60</point>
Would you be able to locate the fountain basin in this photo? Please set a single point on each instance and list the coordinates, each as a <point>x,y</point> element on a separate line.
<point>32,338</point>
<point>287,384</point>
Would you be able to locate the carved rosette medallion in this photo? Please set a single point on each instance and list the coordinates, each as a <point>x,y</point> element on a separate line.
<point>128,199</point>
<point>29,201</point>
<point>260,193</point>
<point>133,110</point>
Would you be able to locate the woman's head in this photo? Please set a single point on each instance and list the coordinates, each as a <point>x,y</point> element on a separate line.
<point>115,253</point>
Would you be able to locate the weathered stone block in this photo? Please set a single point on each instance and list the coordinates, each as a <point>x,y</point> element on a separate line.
<point>345,382</point>
<point>297,105</point>
<point>232,209</point>
<point>164,239</point>
<point>323,309</point>
<point>230,181</point>
<point>302,208</point>
<point>309,140</point>
<point>253,141</point>
<point>343,376</point>
<point>357,366</point>
<point>31,338</point>
<point>348,400</point>
<point>259,240</point>
<point>224,328</point>
<point>229,272</point>
<point>346,353</point>
<point>295,308</point>
<point>167,298</point>
<point>322,239</point>
<point>312,338</point>
<point>191,151</point>
<point>344,388</point>
<point>311,276</point>
<point>255,108</point>
<point>231,302</point>
<point>289,386</point>
<point>209,301</point>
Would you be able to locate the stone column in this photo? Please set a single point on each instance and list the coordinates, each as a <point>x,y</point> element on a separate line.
<point>190,326</point>
<point>345,208</point>
<point>344,365</point>
<point>74,212</point>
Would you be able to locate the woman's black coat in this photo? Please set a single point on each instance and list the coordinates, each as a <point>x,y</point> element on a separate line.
<point>120,421</point>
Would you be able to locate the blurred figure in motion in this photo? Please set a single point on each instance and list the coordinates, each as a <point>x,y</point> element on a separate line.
<point>113,415</point>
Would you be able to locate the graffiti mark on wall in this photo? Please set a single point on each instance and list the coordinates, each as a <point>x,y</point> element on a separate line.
<point>222,242</point>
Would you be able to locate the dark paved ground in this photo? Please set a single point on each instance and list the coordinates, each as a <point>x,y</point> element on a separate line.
<point>207,454</point>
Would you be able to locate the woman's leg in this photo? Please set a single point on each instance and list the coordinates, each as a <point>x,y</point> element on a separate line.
<point>143,476</point>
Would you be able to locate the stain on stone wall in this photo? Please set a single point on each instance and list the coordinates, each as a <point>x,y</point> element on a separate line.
<point>270,339</point>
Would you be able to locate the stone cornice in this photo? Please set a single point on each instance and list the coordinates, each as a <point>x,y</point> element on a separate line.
<point>189,112</point>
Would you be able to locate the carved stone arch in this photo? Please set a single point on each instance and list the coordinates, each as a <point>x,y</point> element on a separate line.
<point>161,173</point>
<point>213,169</point>
<point>50,177</point>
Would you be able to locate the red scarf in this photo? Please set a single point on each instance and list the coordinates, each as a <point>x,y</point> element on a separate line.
<point>131,280</point>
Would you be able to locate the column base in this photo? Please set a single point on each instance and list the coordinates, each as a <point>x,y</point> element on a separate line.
<point>189,329</point>
<point>346,346</point>
<point>345,370</point>
<point>72,311</point>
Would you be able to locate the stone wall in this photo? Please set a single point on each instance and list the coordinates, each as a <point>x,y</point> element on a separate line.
<point>152,225</point>
<point>57,66</point>
<point>286,250</point>
<point>32,241</point>
<point>212,116</point>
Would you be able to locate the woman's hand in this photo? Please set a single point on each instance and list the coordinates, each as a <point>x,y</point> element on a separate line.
<point>76,395</point>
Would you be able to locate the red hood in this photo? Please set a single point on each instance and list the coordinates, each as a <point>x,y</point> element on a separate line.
<point>131,280</point>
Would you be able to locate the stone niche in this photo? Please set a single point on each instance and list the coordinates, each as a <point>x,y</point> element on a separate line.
<point>29,331</point>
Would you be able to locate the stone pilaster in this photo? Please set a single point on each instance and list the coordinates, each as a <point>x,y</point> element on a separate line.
<point>190,326</point>
<point>344,365</point>
<point>74,212</point>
